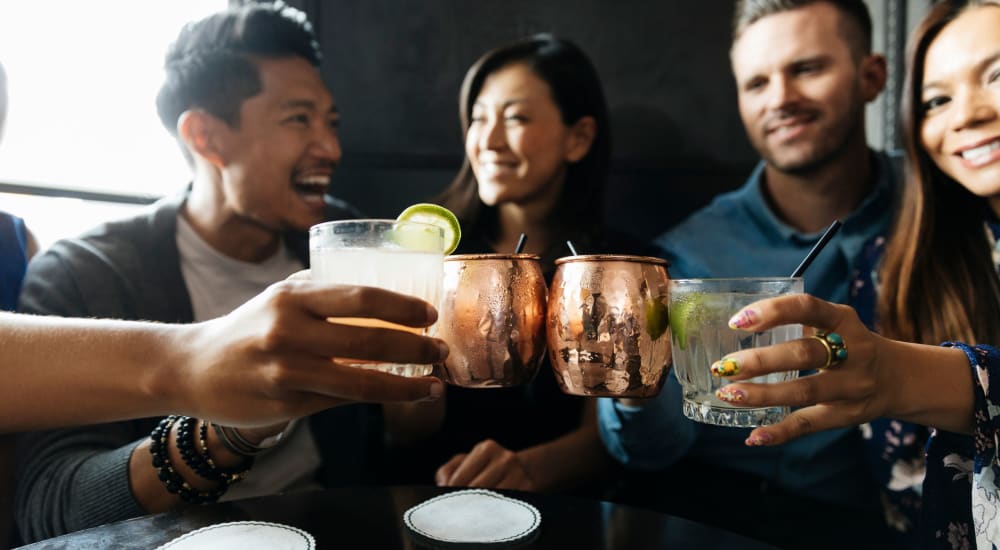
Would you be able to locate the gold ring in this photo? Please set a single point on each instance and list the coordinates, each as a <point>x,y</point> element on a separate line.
<point>836,349</point>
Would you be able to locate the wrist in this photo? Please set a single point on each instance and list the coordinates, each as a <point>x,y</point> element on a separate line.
<point>934,386</point>
<point>892,360</point>
<point>168,379</point>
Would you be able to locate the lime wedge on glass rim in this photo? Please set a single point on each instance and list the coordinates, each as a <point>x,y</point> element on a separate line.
<point>430,214</point>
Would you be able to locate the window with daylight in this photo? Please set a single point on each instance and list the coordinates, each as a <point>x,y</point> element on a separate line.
<point>82,141</point>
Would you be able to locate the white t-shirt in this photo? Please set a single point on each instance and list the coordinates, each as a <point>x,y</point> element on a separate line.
<point>217,285</point>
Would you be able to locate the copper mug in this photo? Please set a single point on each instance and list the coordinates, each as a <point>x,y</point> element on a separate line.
<point>607,324</point>
<point>492,316</point>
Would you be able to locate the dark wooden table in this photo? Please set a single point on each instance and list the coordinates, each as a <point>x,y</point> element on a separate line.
<point>371,517</point>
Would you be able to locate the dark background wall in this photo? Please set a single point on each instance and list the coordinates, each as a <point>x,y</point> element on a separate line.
<point>395,67</point>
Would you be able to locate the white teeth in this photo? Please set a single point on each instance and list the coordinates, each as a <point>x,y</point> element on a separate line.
<point>313,180</point>
<point>493,167</point>
<point>981,151</point>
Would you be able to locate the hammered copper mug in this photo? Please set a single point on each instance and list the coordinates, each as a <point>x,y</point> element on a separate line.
<point>607,324</point>
<point>492,316</point>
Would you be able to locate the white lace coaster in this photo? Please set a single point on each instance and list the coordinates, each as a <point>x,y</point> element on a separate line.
<point>473,516</point>
<point>244,535</point>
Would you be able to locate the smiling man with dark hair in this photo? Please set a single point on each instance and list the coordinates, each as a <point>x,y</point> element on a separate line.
<point>244,97</point>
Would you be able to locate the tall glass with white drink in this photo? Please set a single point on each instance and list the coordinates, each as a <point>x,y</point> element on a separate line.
<point>400,256</point>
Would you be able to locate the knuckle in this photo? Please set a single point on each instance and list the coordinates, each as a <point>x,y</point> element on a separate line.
<point>865,386</point>
<point>351,298</point>
<point>804,352</point>
<point>282,292</point>
<point>361,341</point>
<point>361,298</point>
<point>796,302</point>
<point>275,337</point>
<point>806,393</point>
<point>756,359</point>
<point>277,376</point>
<point>802,423</point>
<point>508,459</point>
<point>848,313</point>
<point>803,300</point>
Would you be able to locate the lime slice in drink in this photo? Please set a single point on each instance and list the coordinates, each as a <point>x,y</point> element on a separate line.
<point>656,318</point>
<point>683,312</point>
<point>434,215</point>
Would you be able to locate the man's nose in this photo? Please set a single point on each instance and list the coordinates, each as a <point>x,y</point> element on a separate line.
<point>782,92</point>
<point>327,145</point>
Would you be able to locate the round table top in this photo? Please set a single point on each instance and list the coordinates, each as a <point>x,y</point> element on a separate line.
<point>372,517</point>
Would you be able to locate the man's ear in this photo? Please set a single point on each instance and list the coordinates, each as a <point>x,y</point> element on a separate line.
<point>200,132</point>
<point>581,137</point>
<point>873,76</point>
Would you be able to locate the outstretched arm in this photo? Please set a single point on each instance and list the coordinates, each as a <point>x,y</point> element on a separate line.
<point>265,363</point>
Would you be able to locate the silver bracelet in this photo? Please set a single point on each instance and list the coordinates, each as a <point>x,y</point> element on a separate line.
<point>237,444</point>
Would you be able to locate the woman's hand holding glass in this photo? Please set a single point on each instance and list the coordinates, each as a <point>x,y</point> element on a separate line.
<point>876,377</point>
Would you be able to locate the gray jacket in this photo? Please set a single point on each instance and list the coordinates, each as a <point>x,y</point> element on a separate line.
<point>72,479</point>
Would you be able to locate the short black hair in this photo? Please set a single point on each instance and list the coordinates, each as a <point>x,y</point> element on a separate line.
<point>859,35</point>
<point>210,66</point>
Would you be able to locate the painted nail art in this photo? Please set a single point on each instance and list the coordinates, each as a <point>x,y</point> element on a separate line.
<point>744,318</point>
<point>725,367</point>
<point>730,395</point>
<point>759,440</point>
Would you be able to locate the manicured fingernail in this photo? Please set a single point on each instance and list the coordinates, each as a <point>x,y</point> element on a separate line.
<point>759,440</point>
<point>743,319</point>
<point>730,395</point>
<point>432,314</point>
<point>725,367</point>
<point>443,349</point>
<point>437,390</point>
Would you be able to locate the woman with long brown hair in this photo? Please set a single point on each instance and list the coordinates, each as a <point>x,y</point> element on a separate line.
<point>537,145</point>
<point>938,283</point>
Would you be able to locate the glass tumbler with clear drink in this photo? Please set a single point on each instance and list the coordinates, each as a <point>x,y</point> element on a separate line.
<point>700,310</point>
<point>400,256</point>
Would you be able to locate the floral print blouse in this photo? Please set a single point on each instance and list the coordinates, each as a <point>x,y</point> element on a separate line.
<point>926,476</point>
<point>960,466</point>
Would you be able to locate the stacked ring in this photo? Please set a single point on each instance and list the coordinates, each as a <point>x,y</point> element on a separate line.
<point>836,349</point>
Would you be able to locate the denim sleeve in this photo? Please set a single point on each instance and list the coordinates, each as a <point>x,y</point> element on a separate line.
<point>649,437</point>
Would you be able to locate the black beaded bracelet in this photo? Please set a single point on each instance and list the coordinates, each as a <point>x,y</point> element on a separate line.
<point>165,471</point>
<point>201,462</point>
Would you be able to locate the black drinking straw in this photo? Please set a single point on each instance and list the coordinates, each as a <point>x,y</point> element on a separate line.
<point>830,232</point>
<point>571,247</point>
<point>520,244</point>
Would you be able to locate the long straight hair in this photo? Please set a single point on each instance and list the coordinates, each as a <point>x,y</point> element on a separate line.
<point>938,279</point>
<point>577,92</point>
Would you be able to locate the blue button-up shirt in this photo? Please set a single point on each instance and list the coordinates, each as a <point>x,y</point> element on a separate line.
<point>738,235</point>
